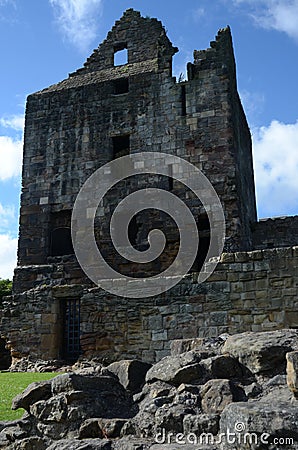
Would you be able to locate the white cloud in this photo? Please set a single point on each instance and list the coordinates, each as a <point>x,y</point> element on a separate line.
<point>198,14</point>
<point>7,215</point>
<point>281,15</point>
<point>16,122</point>
<point>276,168</point>
<point>5,2</point>
<point>78,20</point>
<point>253,103</point>
<point>10,157</point>
<point>8,255</point>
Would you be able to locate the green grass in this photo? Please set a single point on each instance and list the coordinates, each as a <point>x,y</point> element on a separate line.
<point>13,383</point>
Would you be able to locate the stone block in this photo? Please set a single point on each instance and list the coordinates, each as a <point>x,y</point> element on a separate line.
<point>292,372</point>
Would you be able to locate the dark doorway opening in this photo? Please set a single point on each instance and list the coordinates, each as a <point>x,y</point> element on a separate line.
<point>121,86</point>
<point>121,146</point>
<point>71,310</point>
<point>5,356</point>
<point>61,243</point>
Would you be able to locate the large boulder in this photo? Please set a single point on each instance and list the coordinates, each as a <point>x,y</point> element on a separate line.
<point>222,366</point>
<point>179,369</point>
<point>130,373</point>
<point>29,443</point>
<point>263,352</point>
<point>217,394</point>
<point>32,394</point>
<point>210,345</point>
<point>101,428</point>
<point>201,423</point>
<point>260,421</point>
<point>100,396</point>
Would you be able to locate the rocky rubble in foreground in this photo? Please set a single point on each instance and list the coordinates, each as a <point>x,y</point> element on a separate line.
<point>233,392</point>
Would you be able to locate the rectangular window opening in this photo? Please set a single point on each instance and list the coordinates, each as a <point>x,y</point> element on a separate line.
<point>121,146</point>
<point>121,86</point>
<point>120,54</point>
<point>60,242</point>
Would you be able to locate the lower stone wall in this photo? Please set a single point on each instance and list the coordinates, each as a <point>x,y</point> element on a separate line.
<point>255,291</point>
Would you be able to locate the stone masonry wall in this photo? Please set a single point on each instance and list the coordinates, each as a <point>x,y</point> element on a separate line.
<point>255,291</point>
<point>71,129</point>
<point>276,232</point>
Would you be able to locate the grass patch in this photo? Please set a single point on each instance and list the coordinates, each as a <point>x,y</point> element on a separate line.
<point>13,383</point>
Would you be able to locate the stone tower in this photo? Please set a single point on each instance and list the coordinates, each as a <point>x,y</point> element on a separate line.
<point>100,112</point>
<point>103,111</point>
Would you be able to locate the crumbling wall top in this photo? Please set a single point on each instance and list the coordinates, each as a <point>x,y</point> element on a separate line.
<point>144,38</point>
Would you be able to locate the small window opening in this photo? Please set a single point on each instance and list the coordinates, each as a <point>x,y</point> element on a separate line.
<point>121,146</point>
<point>61,243</point>
<point>120,55</point>
<point>121,86</point>
<point>183,100</point>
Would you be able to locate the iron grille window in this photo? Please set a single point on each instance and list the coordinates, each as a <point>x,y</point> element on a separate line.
<point>71,328</point>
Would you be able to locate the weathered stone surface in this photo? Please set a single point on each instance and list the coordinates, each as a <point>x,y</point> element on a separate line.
<point>201,423</point>
<point>32,394</point>
<point>217,394</point>
<point>177,369</point>
<point>222,366</point>
<point>131,373</point>
<point>90,428</point>
<point>101,428</point>
<point>131,443</point>
<point>292,372</point>
<point>170,417</point>
<point>31,443</point>
<point>179,346</point>
<point>273,419</point>
<point>252,390</point>
<point>262,352</point>
<point>88,444</point>
<point>157,389</point>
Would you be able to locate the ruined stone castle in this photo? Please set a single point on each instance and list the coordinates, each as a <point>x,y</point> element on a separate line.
<point>106,110</point>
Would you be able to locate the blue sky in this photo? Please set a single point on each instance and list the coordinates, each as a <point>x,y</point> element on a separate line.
<point>42,41</point>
